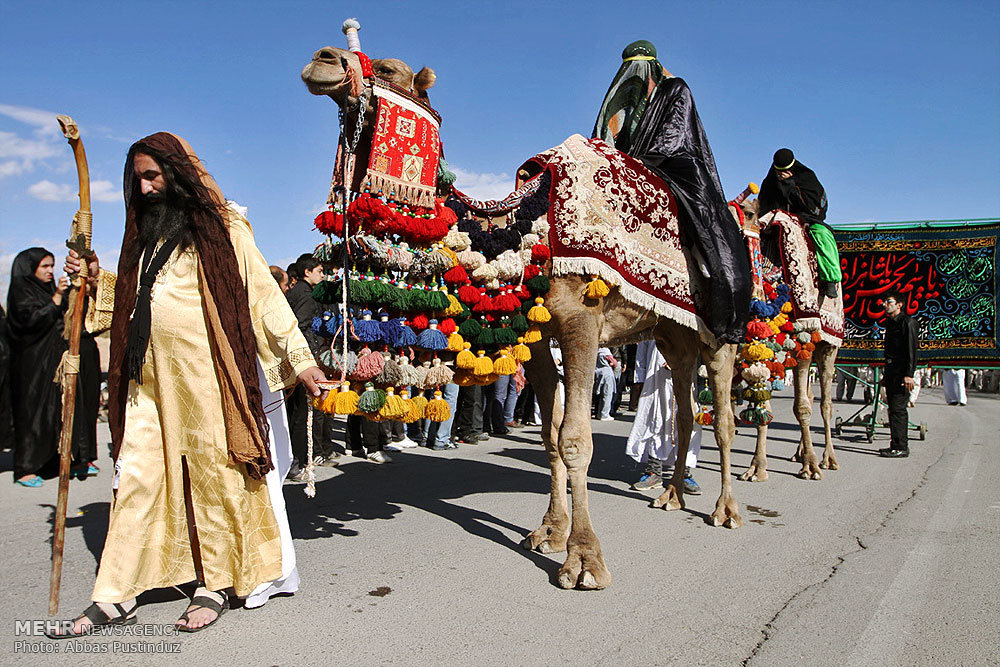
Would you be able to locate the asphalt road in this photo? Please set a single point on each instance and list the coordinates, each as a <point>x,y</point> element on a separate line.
<point>884,562</point>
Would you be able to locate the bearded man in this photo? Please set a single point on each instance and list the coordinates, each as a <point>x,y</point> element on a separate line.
<point>195,317</point>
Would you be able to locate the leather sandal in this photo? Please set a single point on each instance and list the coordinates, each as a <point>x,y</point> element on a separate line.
<point>202,602</point>
<point>98,618</point>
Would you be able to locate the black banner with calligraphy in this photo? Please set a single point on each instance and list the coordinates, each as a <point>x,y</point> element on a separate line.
<point>948,278</point>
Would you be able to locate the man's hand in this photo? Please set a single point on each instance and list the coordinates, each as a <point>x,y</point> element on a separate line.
<point>909,383</point>
<point>61,286</point>
<point>310,377</point>
<point>72,267</point>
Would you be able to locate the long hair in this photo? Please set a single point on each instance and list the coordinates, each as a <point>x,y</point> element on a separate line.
<point>192,189</point>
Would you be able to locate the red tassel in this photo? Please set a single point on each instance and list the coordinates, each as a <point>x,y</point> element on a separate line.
<point>485,304</point>
<point>329,222</point>
<point>506,302</point>
<point>531,270</point>
<point>469,295</point>
<point>419,323</point>
<point>445,214</point>
<point>447,326</point>
<point>370,214</point>
<point>456,275</point>
<point>540,253</point>
<point>523,293</point>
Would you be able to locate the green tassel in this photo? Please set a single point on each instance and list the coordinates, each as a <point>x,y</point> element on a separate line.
<point>519,323</point>
<point>372,399</point>
<point>464,315</point>
<point>486,337</point>
<point>705,396</point>
<point>470,328</point>
<point>379,292</point>
<point>539,284</point>
<point>397,299</point>
<point>437,300</point>
<point>360,294</point>
<point>504,336</point>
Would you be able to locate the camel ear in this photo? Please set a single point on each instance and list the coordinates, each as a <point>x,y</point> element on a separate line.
<point>424,79</point>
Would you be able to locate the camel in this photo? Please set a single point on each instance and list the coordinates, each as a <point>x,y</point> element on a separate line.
<point>580,326</point>
<point>824,356</point>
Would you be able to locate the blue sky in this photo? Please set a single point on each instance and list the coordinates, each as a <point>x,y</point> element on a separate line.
<point>893,104</point>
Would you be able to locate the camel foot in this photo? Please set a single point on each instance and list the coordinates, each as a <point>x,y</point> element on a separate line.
<point>810,470</point>
<point>829,462</point>
<point>670,499</point>
<point>797,457</point>
<point>755,473</point>
<point>584,569</point>
<point>727,513</point>
<point>546,539</point>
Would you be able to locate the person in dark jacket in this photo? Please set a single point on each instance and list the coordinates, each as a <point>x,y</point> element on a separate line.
<point>36,305</point>
<point>900,365</point>
<point>6,418</point>
<point>793,187</point>
<point>305,307</point>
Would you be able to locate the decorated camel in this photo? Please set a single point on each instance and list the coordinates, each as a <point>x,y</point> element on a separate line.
<point>576,187</point>
<point>824,319</point>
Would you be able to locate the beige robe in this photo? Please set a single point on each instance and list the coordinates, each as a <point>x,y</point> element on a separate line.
<point>176,416</point>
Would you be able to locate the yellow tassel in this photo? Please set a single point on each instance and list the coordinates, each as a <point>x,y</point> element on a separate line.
<point>346,402</point>
<point>522,353</point>
<point>454,307</point>
<point>412,411</point>
<point>455,342</point>
<point>464,378</point>
<point>465,358</point>
<point>505,365</point>
<point>326,404</point>
<point>420,401</point>
<point>437,408</point>
<point>483,365</point>
<point>394,407</point>
<point>787,307</point>
<point>596,288</point>
<point>539,313</point>
<point>532,335</point>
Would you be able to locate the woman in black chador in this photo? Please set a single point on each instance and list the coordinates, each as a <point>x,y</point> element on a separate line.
<point>36,304</point>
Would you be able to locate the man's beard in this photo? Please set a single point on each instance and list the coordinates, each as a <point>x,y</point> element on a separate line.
<point>160,220</point>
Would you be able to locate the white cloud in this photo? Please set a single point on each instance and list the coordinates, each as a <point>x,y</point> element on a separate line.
<point>46,190</point>
<point>19,155</point>
<point>49,191</point>
<point>43,121</point>
<point>483,186</point>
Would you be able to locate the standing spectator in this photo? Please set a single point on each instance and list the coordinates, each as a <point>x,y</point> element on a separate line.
<point>900,365</point>
<point>437,435</point>
<point>305,307</point>
<point>847,382</point>
<point>293,274</point>
<point>469,415</point>
<point>954,386</point>
<point>37,304</point>
<point>280,277</point>
<point>504,398</point>
<point>6,418</point>
<point>604,383</point>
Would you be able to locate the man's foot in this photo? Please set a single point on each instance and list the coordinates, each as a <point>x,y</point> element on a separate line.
<point>205,609</point>
<point>513,425</point>
<point>99,614</point>
<point>406,443</point>
<point>648,481</point>
<point>329,461</point>
<point>690,486</point>
<point>379,457</point>
<point>894,453</point>
<point>30,481</point>
<point>483,436</point>
<point>297,476</point>
<point>529,423</point>
<point>609,418</point>
<point>393,447</point>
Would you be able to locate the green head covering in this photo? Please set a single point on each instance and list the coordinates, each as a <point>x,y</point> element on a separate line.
<point>626,99</point>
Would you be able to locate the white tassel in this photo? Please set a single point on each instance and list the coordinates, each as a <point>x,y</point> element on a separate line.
<point>350,30</point>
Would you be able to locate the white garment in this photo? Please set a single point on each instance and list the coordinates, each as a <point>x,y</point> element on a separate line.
<point>954,386</point>
<point>281,454</point>
<point>642,357</point>
<point>654,431</point>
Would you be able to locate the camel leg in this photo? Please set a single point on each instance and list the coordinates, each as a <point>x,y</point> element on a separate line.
<point>825,357</point>
<point>683,370</point>
<point>584,566</point>
<point>757,472</point>
<point>551,535</point>
<point>803,412</point>
<point>720,375</point>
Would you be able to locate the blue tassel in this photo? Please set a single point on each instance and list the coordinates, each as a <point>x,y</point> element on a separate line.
<point>432,339</point>
<point>367,330</point>
<point>390,330</point>
<point>317,325</point>
<point>406,336</point>
<point>333,325</point>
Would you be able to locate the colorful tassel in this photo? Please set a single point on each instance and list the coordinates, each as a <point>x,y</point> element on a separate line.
<point>455,342</point>
<point>539,313</point>
<point>532,335</point>
<point>522,353</point>
<point>369,365</point>
<point>465,359</point>
<point>470,328</point>
<point>420,401</point>
<point>597,288</point>
<point>454,307</point>
<point>505,364</point>
<point>372,400</point>
<point>432,339</point>
<point>394,406</point>
<point>438,375</point>
<point>437,409</point>
<point>413,411</point>
<point>483,365</point>
<point>346,402</point>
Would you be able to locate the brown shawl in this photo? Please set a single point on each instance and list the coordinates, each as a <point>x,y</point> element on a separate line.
<point>234,347</point>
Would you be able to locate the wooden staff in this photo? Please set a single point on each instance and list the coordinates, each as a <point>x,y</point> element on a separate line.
<point>80,234</point>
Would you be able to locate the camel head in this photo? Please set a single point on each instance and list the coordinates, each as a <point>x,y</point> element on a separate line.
<point>329,73</point>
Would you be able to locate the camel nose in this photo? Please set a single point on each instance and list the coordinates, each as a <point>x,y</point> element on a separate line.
<point>326,54</point>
